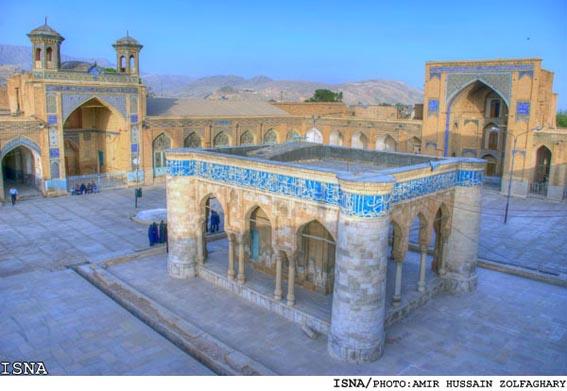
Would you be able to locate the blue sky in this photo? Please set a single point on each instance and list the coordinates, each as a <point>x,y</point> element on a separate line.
<point>331,41</point>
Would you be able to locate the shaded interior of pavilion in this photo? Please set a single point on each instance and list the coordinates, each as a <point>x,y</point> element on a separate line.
<point>314,263</point>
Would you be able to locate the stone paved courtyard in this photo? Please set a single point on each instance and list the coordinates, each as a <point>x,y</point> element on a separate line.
<point>511,325</point>
<point>489,332</point>
<point>61,319</point>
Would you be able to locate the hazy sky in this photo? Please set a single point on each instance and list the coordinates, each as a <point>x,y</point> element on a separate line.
<point>331,41</point>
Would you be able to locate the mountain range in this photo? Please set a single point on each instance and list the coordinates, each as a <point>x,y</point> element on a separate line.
<point>231,87</point>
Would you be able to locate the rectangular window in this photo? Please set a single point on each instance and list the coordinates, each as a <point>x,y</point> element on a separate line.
<point>494,109</point>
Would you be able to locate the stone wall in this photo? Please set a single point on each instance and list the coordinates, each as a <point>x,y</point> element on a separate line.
<point>376,112</point>
<point>308,109</point>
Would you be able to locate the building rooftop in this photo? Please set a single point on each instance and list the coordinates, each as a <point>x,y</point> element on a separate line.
<point>179,107</point>
<point>127,41</point>
<point>326,158</point>
<point>46,31</point>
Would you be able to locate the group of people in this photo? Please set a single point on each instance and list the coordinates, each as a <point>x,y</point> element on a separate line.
<point>157,233</point>
<point>90,187</point>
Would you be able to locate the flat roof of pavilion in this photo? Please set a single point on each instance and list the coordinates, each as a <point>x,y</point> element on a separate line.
<point>327,158</point>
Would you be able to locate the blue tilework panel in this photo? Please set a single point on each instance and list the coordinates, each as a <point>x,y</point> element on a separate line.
<point>363,205</point>
<point>433,106</point>
<point>523,109</point>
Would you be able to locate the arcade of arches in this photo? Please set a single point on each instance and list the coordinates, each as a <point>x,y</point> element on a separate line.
<point>277,247</point>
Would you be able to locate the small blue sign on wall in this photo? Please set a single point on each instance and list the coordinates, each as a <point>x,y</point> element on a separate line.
<point>523,109</point>
<point>53,153</point>
<point>134,148</point>
<point>52,119</point>
<point>134,118</point>
<point>433,106</point>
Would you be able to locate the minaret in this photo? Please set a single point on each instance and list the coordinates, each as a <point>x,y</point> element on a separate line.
<point>46,45</point>
<point>128,55</point>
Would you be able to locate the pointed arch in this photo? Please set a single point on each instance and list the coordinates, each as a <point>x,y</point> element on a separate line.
<point>270,137</point>
<point>159,145</point>
<point>316,257</point>
<point>542,164</point>
<point>221,139</point>
<point>336,138</point>
<point>478,79</point>
<point>193,140</point>
<point>132,63</point>
<point>247,138</point>
<point>420,231</point>
<point>452,97</point>
<point>314,135</point>
<point>359,140</point>
<point>84,99</point>
<point>20,161</point>
<point>441,229</point>
<point>259,228</point>
<point>386,143</point>
<point>414,145</point>
<point>19,141</point>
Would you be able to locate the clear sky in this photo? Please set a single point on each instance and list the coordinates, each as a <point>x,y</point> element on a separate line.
<point>330,41</point>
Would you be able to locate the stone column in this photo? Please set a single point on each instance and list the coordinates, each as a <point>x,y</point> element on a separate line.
<point>359,296</point>
<point>396,300</point>
<point>422,262</point>
<point>181,225</point>
<point>291,282</point>
<point>231,273</point>
<point>241,274</point>
<point>201,244</point>
<point>459,254</point>
<point>443,251</point>
<point>278,289</point>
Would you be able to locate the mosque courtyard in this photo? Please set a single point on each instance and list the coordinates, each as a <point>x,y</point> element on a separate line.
<point>52,313</point>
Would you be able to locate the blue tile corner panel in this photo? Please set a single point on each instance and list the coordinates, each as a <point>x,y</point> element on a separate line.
<point>522,109</point>
<point>362,205</point>
<point>433,106</point>
<point>468,178</point>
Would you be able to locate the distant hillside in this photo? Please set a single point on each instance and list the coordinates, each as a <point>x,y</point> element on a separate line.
<point>231,87</point>
<point>21,57</point>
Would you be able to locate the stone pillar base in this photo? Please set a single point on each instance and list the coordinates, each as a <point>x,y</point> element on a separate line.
<point>354,354</point>
<point>555,193</point>
<point>519,188</point>
<point>457,284</point>
<point>181,270</point>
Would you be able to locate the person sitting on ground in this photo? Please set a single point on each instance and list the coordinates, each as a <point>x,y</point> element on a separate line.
<point>95,188</point>
<point>83,188</point>
<point>76,190</point>
<point>89,188</point>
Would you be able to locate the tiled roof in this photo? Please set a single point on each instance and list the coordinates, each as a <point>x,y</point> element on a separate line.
<point>127,40</point>
<point>179,107</point>
<point>45,30</point>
